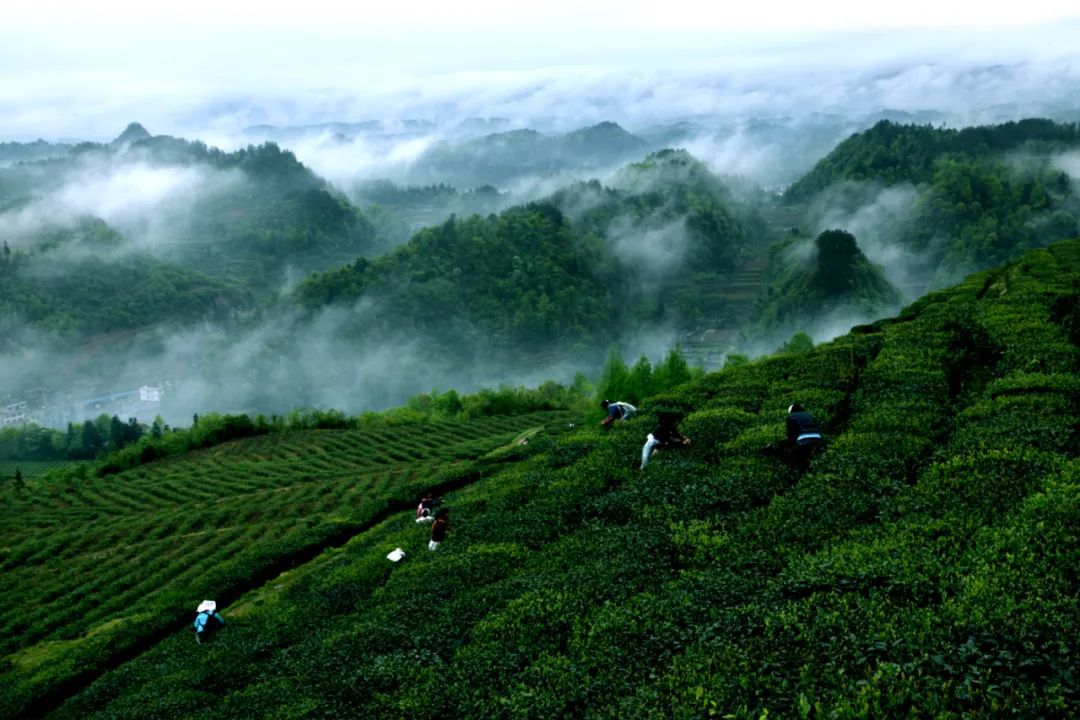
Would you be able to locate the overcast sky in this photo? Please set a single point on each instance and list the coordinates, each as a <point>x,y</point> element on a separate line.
<point>82,69</point>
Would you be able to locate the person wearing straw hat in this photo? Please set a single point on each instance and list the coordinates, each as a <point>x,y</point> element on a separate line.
<point>207,621</point>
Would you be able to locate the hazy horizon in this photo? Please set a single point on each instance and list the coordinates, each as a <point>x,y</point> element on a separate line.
<point>210,71</point>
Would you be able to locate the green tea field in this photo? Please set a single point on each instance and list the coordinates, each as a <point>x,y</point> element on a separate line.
<point>923,563</point>
<point>30,468</point>
<point>93,567</point>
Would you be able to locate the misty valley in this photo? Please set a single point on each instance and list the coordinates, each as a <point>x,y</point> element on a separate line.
<point>156,276</point>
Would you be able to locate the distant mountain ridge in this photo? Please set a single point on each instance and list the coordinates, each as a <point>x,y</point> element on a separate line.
<point>892,153</point>
<point>500,158</point>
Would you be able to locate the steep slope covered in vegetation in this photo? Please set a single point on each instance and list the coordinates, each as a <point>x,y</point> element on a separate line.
<point>922,564</point>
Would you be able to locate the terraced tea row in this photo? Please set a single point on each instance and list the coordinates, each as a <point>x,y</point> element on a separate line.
<point>145,542</point>
<point>30,468</point>
<point>272,461</point>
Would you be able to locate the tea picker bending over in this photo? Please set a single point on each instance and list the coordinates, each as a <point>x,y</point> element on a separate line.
<point>439,528</point>
<point>664,436</point>
<point>426,507</point>
<point>802,429</point>
<point>207,621</point>
<point>617,410</point>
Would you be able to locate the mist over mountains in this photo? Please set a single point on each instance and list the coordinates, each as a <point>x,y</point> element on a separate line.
<point>270,273</point>
<point>488,256</point>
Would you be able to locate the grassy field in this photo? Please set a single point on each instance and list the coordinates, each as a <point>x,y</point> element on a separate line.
<point>923,564</point>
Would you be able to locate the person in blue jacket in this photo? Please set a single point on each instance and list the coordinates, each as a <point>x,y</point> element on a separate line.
<point>207,621</point>
<point>617,410</point>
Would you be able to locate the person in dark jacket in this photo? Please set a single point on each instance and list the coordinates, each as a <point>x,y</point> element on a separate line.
<point>207,621</point>
<point>439,528</point>
<point>802,429</point>
<point>664,436</point>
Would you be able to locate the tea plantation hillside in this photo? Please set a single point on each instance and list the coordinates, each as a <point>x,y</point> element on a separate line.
<point>923,564</point>
<point>96,568</point>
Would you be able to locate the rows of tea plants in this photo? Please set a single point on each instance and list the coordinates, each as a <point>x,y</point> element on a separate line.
<point>30,468</point>
<point>922,564</point>
<point>92,567</point>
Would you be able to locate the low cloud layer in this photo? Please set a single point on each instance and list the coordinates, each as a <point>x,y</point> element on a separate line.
<point>149,203</point>
<point>962,76</point>
<point>1069,163</point>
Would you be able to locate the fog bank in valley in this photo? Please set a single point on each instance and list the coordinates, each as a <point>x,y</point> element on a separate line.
<point>758,105</point>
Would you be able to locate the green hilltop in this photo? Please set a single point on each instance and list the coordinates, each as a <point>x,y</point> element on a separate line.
<point>837,277</point>
<point>893,152</point>
<point>924,563</point>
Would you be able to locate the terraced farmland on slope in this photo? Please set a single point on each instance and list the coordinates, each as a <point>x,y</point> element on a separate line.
<point>30,468</point>
<point>922,564</point>
<point>102,561</point>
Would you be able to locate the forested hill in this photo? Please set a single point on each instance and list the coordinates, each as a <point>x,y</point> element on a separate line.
<point>922,564</point>
<point>892,153</point>
<point>156,231</point>
<point>677,233</point>
<point>246,216</point>
<point>585,265</point>
<point>92,291</point>
<point>522,277</point>
<point>941,203</point>
<point>669,187</point>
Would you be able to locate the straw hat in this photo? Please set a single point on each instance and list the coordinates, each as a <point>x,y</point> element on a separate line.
<point>206,606</point>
